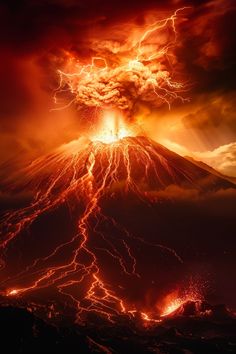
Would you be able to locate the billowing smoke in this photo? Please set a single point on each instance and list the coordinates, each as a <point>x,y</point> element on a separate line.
<point>141,69</point>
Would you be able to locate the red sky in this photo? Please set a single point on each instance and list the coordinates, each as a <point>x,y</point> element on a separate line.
<point>36,34</point>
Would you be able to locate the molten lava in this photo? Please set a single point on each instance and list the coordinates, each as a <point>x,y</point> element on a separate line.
<point>173,306</point>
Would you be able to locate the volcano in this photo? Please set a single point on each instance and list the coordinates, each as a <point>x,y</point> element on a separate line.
<point>135,163</point>
<point>91,210</point>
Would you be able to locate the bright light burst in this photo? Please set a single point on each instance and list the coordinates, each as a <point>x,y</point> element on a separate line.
<point>112,128</point>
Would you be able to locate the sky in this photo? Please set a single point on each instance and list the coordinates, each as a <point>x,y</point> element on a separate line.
<point>36,35</point>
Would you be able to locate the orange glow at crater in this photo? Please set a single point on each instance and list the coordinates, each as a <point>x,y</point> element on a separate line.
<point>112,128</point>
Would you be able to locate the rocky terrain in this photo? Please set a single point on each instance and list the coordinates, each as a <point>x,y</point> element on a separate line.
<point>195,327</point>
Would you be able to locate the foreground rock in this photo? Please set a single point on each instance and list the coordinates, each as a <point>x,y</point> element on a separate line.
<point>194,328</point>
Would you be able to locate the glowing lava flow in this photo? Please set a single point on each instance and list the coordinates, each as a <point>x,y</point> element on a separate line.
<point>139,69</point>
<point>81,175</point>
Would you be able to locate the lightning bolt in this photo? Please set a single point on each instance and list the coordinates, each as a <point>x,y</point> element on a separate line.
<point>142,74</point>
